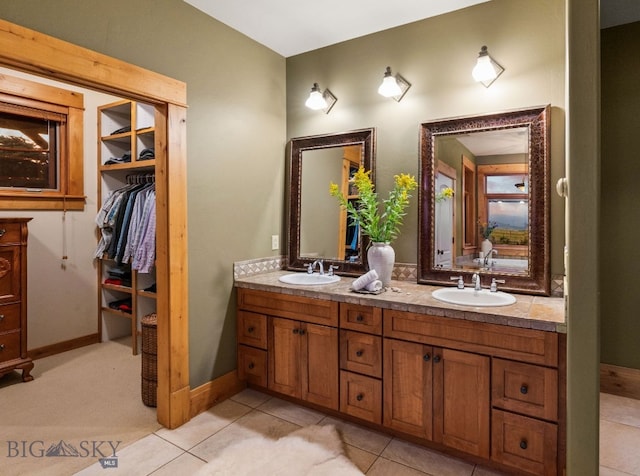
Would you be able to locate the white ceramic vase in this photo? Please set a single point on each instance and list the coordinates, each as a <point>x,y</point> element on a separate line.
<point>381,257</point>
<point>486,246</point>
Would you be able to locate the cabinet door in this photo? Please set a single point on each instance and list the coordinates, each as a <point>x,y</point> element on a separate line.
<point>461,401</point>
<point>319,362</point>
<point>284,351</point>
<point>407,390</point>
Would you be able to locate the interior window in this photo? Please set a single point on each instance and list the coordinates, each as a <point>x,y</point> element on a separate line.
<point>41,156</point>
<point>507,204</point>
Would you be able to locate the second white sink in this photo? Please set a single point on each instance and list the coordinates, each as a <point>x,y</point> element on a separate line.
<point>305,279</point>
<point>471,297</point>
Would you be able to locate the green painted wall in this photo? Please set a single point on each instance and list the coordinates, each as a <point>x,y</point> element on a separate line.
<point>235,132</point>
<point>436,55</point>
<point>620,214</point>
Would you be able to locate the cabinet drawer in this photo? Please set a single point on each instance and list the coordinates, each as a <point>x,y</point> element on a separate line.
<point>9,346</point>
<point>361,318</point>
<point>252,365</point>
<point>316,311</point>
<point>525,444</point>
<point>525,388</point>
<point>361,353</point>
<point>361,396</point>
<point>527,345</point>
<point>10,233</point>
<point>252,329</point>
<point>10,273</point>
<point>9,317</point>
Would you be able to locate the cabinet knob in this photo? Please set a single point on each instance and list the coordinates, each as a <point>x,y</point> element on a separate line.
<point>2,232</point>
<point>523,444</point>
<point>436,358</point>
<point>359,397</point>
<point>426,357</point>
<point>524,389</point>
<point>1,317</point>
<point>296,331</point>
<point>359,318</point>
<point>251,329</point>
<point>251,366</point>
<point>359,353</point>
<point>302,332</point>
<point>1,346</point>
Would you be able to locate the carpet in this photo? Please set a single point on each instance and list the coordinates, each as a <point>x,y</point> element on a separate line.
<point>310,451</point>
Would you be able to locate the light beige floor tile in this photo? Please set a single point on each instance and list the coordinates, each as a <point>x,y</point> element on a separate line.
<point>384,467</point>
<point>359,436</point>
<point>251,398</point>
<point>362,459</point>
<point>604,471</point>
<point>426,460</point>
<point>204,425</point>
<point>291,412</point>
<point>183,465</point>
<point>619,447</point>
<point>620,409</point>
<point>138,459</point>
<point>255,423</point>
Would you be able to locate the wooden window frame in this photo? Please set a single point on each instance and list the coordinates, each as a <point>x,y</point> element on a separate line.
<point>69,194</point>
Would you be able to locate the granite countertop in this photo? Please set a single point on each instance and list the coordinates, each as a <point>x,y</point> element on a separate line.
<point>532,312</point>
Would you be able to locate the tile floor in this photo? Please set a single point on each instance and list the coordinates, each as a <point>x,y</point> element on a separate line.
<point>186,449</point>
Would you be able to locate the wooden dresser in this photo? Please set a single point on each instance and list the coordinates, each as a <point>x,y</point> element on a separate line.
<point>13,297</point>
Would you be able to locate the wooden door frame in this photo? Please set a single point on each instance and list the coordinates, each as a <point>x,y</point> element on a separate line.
<point>36,53</point>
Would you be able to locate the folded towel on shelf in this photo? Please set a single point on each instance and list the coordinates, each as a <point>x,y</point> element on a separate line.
<point>374,286</point>
<point>365,279</point>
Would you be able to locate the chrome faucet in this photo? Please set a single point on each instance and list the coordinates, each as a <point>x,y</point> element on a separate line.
<point>475,279</point>
<point>487,257</point>
<point>320,266</point>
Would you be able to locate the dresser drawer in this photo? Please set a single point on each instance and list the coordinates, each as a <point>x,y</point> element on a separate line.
<point>252,329</point>
<point>9,317</point>
<point>361,318</point>
<point>252,365</point>
<point>525,388</point>
<point>10,274</point>
<point>10,233</point>
<point>361,353</point>
<point>361,396</point>
<point>525,444</point>
<point>9,346</point>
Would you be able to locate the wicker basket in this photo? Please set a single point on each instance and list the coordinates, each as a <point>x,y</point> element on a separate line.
<point>149,359</point>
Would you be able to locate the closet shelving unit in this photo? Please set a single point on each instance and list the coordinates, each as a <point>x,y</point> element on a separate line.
<point>138,119</point>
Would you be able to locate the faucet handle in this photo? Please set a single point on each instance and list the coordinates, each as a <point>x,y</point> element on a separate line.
<point>460,281</point>
<point>331,268</point>
<point>494,284</point>
<point>310,268</point>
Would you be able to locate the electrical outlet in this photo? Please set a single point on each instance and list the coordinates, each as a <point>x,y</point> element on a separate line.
<point>275,242</point>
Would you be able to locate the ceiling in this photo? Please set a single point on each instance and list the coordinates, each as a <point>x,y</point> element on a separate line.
<point>291,27</point>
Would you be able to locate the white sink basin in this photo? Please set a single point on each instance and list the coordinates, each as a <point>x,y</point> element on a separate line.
<point>305,279</point>
<point>471,297</point>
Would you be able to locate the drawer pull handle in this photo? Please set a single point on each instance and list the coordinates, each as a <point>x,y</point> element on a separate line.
<point>426,357</point>
<point>359,353</point>
<point>251,329</point>
<point>436,358</point>
<point>359,318</point>
<point>1,347</point>
<point>251,366</point>
<point>523,444</point>
<point>359,397</point>
<point>524,390</point>
<point>2,232</point>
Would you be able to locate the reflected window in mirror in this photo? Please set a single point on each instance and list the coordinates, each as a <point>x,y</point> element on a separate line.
<point>497,220</point>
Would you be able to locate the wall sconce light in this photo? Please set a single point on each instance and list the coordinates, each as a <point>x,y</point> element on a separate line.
<point>486,69</point>
<point>320,100</point>
<point>393,86</point>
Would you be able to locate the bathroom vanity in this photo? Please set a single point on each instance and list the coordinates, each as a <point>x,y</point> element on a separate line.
<point>487,384</point>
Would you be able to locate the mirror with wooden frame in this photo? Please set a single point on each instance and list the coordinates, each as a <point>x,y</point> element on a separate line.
<point>484,200</point>
<point>318,227</point>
